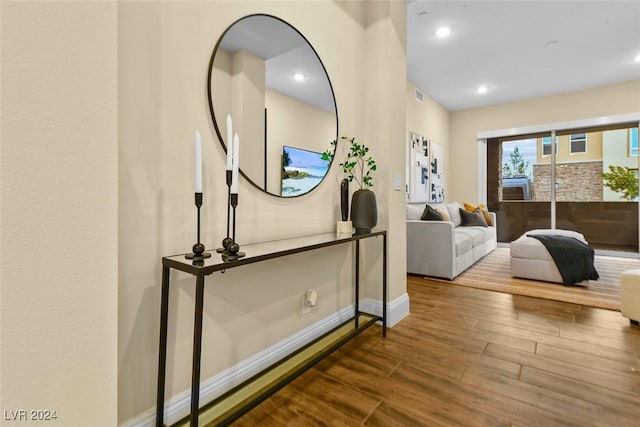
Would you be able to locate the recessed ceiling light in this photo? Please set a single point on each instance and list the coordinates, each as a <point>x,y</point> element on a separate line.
<point>637,58</point>
<point>298,76</point>
<point>443,32</point>
<point>482,89</point>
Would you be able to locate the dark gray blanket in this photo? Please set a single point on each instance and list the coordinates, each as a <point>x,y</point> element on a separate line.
<point>573,258</point>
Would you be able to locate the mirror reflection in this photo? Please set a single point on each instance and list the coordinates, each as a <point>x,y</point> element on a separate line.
<point>269,79</point>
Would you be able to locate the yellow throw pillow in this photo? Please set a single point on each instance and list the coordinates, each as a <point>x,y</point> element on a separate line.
<point>444,213</point>
<point>469,207</point>
<point>482,208</point>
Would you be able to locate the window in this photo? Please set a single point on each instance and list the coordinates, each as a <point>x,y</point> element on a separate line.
<point>546,146</point>
<point>578,143</point>
<point>518,158</point>
<point>633,142</point>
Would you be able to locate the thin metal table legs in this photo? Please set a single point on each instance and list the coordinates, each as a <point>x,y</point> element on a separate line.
<point>197,350</point>
<point>357,282</point>
<point>162,358</point>
<point>384,285</point>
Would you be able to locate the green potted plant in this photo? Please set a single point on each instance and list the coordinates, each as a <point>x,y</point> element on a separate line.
<point>357,167</point>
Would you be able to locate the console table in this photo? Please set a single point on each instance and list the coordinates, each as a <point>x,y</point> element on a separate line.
<point>254,253</point>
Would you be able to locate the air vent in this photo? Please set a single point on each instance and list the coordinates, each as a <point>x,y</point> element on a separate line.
<point>419,96</point>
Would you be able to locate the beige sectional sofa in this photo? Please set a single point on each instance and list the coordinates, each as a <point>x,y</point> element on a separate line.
<point>445,248</point>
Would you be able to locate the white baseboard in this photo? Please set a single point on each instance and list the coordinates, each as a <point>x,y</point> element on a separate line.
<point>397,309</point>
<point>178,406</point>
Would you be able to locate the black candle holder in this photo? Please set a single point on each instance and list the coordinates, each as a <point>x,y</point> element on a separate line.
<point>233,250</point>
<point>227,240</point>
<point>198,249</point>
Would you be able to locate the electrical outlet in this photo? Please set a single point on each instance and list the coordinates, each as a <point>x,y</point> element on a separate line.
<point>305,308</point>
<point>308,301</point>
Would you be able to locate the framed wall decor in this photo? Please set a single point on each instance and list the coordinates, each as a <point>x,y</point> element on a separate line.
<point>437,173</point>
<point>419,169</point>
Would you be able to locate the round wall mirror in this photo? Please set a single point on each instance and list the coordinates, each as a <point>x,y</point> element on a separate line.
<point>267,78</point>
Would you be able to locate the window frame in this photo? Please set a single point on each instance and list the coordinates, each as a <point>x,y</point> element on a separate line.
<point>631,149</point>
<point>586,140</point>
<point>549,145</point>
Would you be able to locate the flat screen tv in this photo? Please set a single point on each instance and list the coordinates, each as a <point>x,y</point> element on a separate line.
<point>302,170</point>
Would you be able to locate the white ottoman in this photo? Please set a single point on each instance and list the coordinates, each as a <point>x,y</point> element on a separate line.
<point>531,260</point>
<point>630,295</point>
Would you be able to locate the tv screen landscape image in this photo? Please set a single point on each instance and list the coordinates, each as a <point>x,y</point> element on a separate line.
<point>302,170</point>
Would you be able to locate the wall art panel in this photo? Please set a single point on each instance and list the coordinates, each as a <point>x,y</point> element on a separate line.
<point>437,173</point>
<point>419,166</point>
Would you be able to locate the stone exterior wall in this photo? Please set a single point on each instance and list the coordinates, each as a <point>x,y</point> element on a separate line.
<point>577,182</point>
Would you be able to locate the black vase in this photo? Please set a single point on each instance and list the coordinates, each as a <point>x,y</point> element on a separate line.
<point>344,199</point>
<point>364,211</point>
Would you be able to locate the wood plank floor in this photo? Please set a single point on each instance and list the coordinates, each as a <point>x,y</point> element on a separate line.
<point>471,357</point>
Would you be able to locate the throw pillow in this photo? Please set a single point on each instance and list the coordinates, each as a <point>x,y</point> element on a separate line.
<point>472,218</point>
<point>413,212</point>
<point>430,214</point>
<point>443,212</point>
<point>483,209</point>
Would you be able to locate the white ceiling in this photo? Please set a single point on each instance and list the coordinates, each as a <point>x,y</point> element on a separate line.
<point>519,49</point>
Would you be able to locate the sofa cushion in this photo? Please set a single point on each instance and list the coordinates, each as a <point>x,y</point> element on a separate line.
<point>430,214</point>
<point>464,243</point>
<point>489,233</point>
<point>472,218</point>
<point>454,213</point>
<point>414,212</point>
<point>476,234</point>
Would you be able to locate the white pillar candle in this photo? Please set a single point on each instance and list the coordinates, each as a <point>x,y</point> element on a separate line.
<point>236,164</point>
<point>229,144</point>
<point>198,146</point>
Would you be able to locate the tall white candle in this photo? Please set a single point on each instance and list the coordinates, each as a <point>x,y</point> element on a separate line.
<point>198,146</point>
<point>236,164</point>
<point>229,143</point>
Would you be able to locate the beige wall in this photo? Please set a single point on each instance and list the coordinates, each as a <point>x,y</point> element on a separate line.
<point>603,101</point>
<point>58,204</point>
<point>242,74</point>
<point>289,122</point>
<point>247,108</point>
<point>164,49</point>
<point>296,124</point>
<point>430,120</point>
<point>427,118</point>
<point>379,101</point>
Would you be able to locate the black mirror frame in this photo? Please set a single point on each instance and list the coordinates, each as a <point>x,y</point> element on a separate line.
<point>210,98</point>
